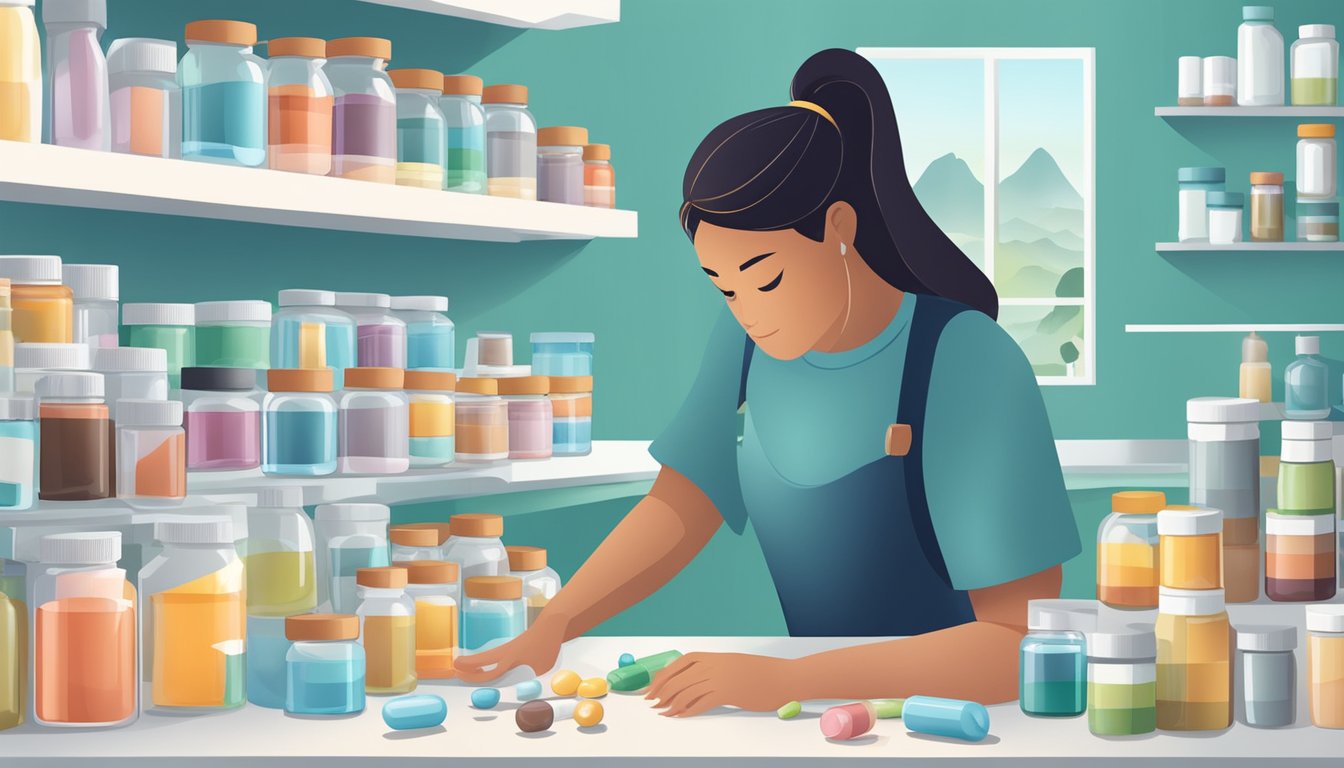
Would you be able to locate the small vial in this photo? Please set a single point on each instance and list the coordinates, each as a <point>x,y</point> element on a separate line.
<point>151,452</point>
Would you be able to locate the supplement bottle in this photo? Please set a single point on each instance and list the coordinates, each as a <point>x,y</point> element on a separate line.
<point>20,73</point>
<point>77,73</point>
<point>560,164</point>
<point>1190,547</point>
<point>43,308</point>
<point>1194,676</point>
<point>599,178</point>
<point>386,630</point>
<point>233,334</point>
<point>540,582</point>
<point>1325,665</point>
<point>1220,81</point>
<point>374,423</point>
<point>1299,556</point>
<point>421,129</point>
<point>151,453</point>
<point>1127,556</point>
<point>349,537</point>
<point>433,585</point>
<point>1121,681</point>
<point>223,94</point>
<point>325,666</point>
<point>431,338</point>
<point>1267,207</point>
<point>1315,58</point>
<point>433,420</point>
<point>364,121</point>
<point>1256,380</point>
<point>33,361</point>
<point>131,373</point>
<point>223,418</point>
<point>75,438</point>
<point>465,118</point>
<point>414,543</point>
<point>1266,676</point>
<point>381,337</point>
<point>482,421</point>
<point>278,554</point>
<point>1195,184</point>
<point>1259,58</point>
<point>300,102</point>
<point>170,327</point>
<point>1225,210</point>
<point>572,410</point>
<point>95,310</point>
<point>146,100</point>
<point>299,423</point>
<point>530,416</point>
<point>493,611</point>
<point>1306,469</point>
<point>1318,221</point>
<point>309,332</point>
<point>1304,382</point>
<point>18,453</point>
<point>1053,669</point>
<point>1317,160</point>
<point>474,544</point>
<point>1189,81</point>
<point>511,142</point>
<point>1224,438</point>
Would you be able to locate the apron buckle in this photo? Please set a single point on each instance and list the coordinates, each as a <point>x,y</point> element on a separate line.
<point>899,439</point>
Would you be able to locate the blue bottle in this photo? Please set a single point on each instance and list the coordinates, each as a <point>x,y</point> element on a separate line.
<point>18,452</point>
<point>324,669</point>
<point>1304,391</point>
<point>1052,678</point>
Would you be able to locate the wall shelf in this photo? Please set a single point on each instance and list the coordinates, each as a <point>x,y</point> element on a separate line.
<point>1249,247</point>
<point>1299,113</point>
<point>44,174</point>
<point>525,14</point>
<point>1235,328</point>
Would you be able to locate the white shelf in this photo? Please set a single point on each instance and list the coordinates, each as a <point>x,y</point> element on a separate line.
<point>1234,328</point>
<point>1248,247</point>
<point>40,173</point>
<point>526,14</point>
<point>1322,113</point>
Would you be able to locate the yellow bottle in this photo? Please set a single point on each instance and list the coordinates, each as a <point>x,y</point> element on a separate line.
<point>1256,378</point>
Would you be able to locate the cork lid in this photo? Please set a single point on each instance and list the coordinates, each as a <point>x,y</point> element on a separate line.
<point>427,79</point>
<point>562,136</point>
<point>1138,502</point>
<point>462,85</point>
<point>478,386</point>
<point>571,385</point>
<point>373,47</point>
<point>438,381</point>
<point>299,380</point>
<point>430,571</point>
<point>494,587</point>
<point>374,378</point>
<point>322,626</point>
<point>597,152</point>
<point>524,385</point>
<point>481,525</point>
<point>504,94</point>
<point>381,578</point>
<point>1267,177</point>
<point>526,558</point>
<point>406,536</point>
<point>222,31</point>
<point>1316,131</point>
<point>305,47</point>
<point>440,529</point>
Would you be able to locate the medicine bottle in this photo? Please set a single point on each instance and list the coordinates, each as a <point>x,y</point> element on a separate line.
<point>1305,382</point>
<point>540,581</point>
<point>1220,81</point>
<point>511,142</point>
<point>349,537</point>
<point>325,667</point>
<point>77,106</point>
<point>309,332</point>
<point>223,418</point>
<point>20,73</point>
<point>1306,469</point>
<point>560,354</point>
<point>560,164</point>
<point>599,178</point>
<point>95,292</point>
<point>1224,436</point>
<point>433,585</point>
<point>1194,186</point>
<point>364,122</point>
<point>195,616</point>
<point>151,452</point>
<point>1315,72</point>
<point>299,106</point>
<point>1052,678</point>
<point>129,373</point>
<point>493,611</point>
<point>279,554</point>
<point>474,544</point>
<point>35,360</point>
<point>1317,160</point>
<point>1122,681</point>
<point>433,417</point>
<point>1266,681</point>
<point>374,423</point>
<point>422,133</point>
<point>6,335</point>
<point>1267,207</point>
<point>1318,221</point>
<point>1194,676</point>
<point>530,416</point>
<point>386,630</point>
<point>233,334</point>
<point>1256,379</point>
<point>572,409</point>
<point>18,453</point>
<point>267,648</point>
<point>465,118</point>
<point>13,644</point>
<point>1190,547</point>
<point>298,423</point>
<point>1127,551</point>
<point>414,542</point>
<point>43,308</point>
<point>1259,58</point>
<point>1325,659</point>
<point>431,338</point>
<point>223,94</point>
<point>75,438</point>
<point>1225,211</point>
<point>170,327</point>
<point>1189,81</point>
<point>146,101</point>
<point>482,421</point>
<point>1299,556</point>
<point>380,336</point>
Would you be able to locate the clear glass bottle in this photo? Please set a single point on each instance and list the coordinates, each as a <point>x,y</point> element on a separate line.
<point>531,420</point>
<point>431,337</point>
<point>1194,672</point>
<point>77,103</point>
<point>1127,555</point>
<point>482,421</point>
<point>1267,207</point>
<point>474,544</point>
<point>267,648</point>
<point>433,585</point>
<point>422,133</point>
<point>20,73</point>
<point>223,418</point>
<point>170,327</point>
<point>309,332</point>
<point>572,409</point>
<point>325,667</point>
<point>300,102</point>
<point>1266,683</point>
<point>433,418</point>
<point>18,453</point>
<point>1224,450</point>
<point>1259,58</point>
<point>380,335</point>
<point>374,423</point>
<point>1325,658</point>
<point>511,139</point>
<point>465,118</point>
<point>493,611</point>
<point>279,554</point>
<point>412,543</point>
<point>1121,681</point>
<point>364,121</point>
<point>1315,73</point>
<point>33,361</point>
<point>1305,382</point>
<point>599,178</point>
<point>1053,669</point>
<point>560,164</point>
<point>349,537</point>
<point>233,334</point>
<point>298,434</point>
<point>1256,380</point>
<point>1317,162</point>
<point>1225,212</point>
<point>151,453</point>
<point>43,308</point>
<point>131,373</point>
<point>146,100</point>
<point>95,292</point>
<point>223,94</point>
<point>1190,547</point>
<point>540,581</point>
<point>75,438</point>
<point>386,630</point>
<point>13,643</point>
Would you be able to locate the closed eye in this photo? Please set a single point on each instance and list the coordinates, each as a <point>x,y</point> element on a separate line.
<point>729,294</point>
<point>772,285</point>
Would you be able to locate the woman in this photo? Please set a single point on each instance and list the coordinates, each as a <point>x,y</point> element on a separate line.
<point>896,461</point>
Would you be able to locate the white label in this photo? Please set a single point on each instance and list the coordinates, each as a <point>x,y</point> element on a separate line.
<point>1122,674</point>
<point>16,461</point>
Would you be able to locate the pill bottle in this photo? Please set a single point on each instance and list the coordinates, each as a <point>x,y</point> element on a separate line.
<point>151,452</point>
<point>561,354</point>
<point>572,412</point>
<point>1325,659</point>
<point>493,611</point>
<point>511,142</point>
<point>75,438</point>
<point>386,630</point>
<point>1052,678</point>
<point>34,361</point>
<point>299,106</point>
<point>1225,211</point>
<point>433,418</point>
<point>495,349</point>
<point>223,94</point>
<point>84,633</point>
<point>431,338</point>
<point>482,421</point>
<point>1190,547</point>
<point>77,108</point>
<point>1266,682</point>
<point>325,666</point>
<point>414,542</point>
<point>599,178</point>
<point>1316,161</point>
<point>1299,556</point>
<point>1306,469</point>
<point>267,647</point>
<point>1318,221</point>
<point>233,334</point>
<point>380,336</point>
<point>1267,207</point>
<point>1194,642</point>
<point>1220,81</point>
<point>1194,186</point>
<point>1315,68</point>
<point>13,645</point>
<point>465,118</point>
<point>6,335</point>
<point>20,73</point>
<point>309,332</point>
<point>146,101</point>
<point>43,308</point>
<point>433,585</point>
<point>223,418</point>
<point>1259,58</point>
<point>18,452</point>
<point>474,544</point>
<point>540,581</point>
<point>1255,377</point>
<point>1306,382</point>
<point>364,122</point>
<point>1190,81</point>
<point>530,416</point>
<point>170,327</point>
<point>349,537</point>
<point>1121,681</point>
<point>95,310</point>
<point>1224,439</point>
<point>1127,551</point>
<point>421,129</point>
<point>298,423</point>
<point>131,373</point>
<point>278,554</point>
<point>195,616</point>
<point>560,164</point>
<point>374,423</point>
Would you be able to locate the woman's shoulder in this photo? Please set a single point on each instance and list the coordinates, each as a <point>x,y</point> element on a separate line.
<point>972,340</point>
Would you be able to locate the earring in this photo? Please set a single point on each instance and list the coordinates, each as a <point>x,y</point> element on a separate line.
<point>843,249</point>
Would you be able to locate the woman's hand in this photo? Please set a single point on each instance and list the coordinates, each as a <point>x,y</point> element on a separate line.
<point>538,647</point>
<point>699,682</point>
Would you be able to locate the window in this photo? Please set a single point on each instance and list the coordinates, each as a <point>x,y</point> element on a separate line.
<point>1023,117</point>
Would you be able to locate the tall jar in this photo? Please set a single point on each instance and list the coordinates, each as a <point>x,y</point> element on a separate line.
<point>1317,161</point>
<point>223,418</point>
<point>349,537</point>
<point>530,416</point>
<point>77,107</point>
<point>131,373</point>
<point>375,421</point>
<point>433,585</point>
<point>465,118</point>
<point>381,336</point>
<point>422,133</point>
<point>572,411</point>
<point>20,73</point>
<point>309,332</point>
<point>482,421</point>
<point>279,554</point>
<point>1052,679</point>
<point>493,611</point>
<point>325,667</point>
<point>43,308</point>
<point>415,542</point>
<point>1315,58</point>
<point>1266,683</point>
<point>146,102</point>
<point>223,94</point>
<point>170,327</point>
<point>1127,558</point>
<point>1306,469</point>
<point>75,438</point>
<point>1220,81</point>
<point>386,630</point>
<point>1224,438</point>
<point>1190,548</point>
<point>431,337</point>
<point>14,646</point>
<point>433,417</point>
<point>1121,681</point>
<point>151,453</point>
<point>95,292</point>
<point>511,142</point>
<point>560,164</point>
<point>1194,673</point>
<point>364,123</point>
<point>1267,207</point>
<point>599,178</point>
<point>300,102</point>
<point>474,544</point>
<point>1259,58</point>
<point>233,334</point>
<point>1325,665</point>
<point>1299,557</point>
<point>299,423</point>
<point>1195,184</point>
<point>6,338</point>
<point>18,453</point>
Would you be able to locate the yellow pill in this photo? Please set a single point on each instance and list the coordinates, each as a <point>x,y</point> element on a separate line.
<point>593,688</point>
<point>588,713</point>
<point>565,682</point>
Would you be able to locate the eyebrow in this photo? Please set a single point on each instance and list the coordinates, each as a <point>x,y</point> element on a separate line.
<point>754,260</point>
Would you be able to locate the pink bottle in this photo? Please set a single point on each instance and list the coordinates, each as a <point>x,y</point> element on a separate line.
<point>77,100</point>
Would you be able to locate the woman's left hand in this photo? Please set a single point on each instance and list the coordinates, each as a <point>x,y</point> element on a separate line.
<point>699,682</point>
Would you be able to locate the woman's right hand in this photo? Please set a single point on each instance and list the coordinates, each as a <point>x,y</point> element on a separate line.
<point>538,647</point>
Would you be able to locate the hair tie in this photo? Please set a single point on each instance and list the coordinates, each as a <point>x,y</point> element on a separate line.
<point>815,108</point>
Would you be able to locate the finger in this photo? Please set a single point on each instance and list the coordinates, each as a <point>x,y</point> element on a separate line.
<point>666,674</point>
<point>473,669</point>
<point>699,706</point>
<point>677,701</point>
<point>478,661</point>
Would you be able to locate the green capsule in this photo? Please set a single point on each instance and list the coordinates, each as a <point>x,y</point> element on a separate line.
<point>888,708</point>
<point>790,710</point>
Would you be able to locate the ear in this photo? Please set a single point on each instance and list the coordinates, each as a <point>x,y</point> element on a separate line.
<point>842,223</point>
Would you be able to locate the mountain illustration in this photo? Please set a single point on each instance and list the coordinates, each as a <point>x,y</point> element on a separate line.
<point>1037,184</point>
<point>953,196</point>
<point>1017,229</point>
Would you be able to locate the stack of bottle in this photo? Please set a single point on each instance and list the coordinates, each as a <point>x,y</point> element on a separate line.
<point>1255,78</point>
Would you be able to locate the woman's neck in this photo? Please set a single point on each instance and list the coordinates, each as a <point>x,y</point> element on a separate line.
<point>871,306</point>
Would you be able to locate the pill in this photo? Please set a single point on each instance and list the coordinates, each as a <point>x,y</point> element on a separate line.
<point>626,660</point>
<point>528,691</point>
<point>485,698</point>
<point>540,715</point>
<point>565,682</point>
<point>637,676</point>
<point>790,710</point>
<point>421,710</point>
<point>848,721</point>
<point>593,688</point>
<point>952,718</point>
<point>588,713</point>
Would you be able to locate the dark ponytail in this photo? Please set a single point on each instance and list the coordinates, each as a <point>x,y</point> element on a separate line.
<point>783,167</point>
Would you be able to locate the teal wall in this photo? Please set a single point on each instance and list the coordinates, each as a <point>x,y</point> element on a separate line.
<point>652,86</point>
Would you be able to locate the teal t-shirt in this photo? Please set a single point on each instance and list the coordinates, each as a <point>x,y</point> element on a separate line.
<point>992,478</point>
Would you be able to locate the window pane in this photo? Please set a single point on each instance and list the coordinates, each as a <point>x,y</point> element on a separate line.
<point>1043,332</point>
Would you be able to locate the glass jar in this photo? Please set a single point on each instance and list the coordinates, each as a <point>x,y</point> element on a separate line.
<point>223,94</point>
<point>1052,678</point>
<point>233,334</point>
<point>309,332</point>
<point>1224,434</point>
<point>1325,665</point>
<point>1190,81</point>
<point>349,537</point>
<point>1225,210</point>
<point>1254,376</point>
<point>75,438</point>
<point>1121,681</point>
<point>560,164</point>
<point>474,544</point>
<point>414,542</point>
<point>43,308</point>
<point>18,453</point>
<point>20,73</point>
<point>493,611</point>
<point>386,630</point>
<point>364,122</point>
<point>170,327</point>
<point>1316,161</point>
<point>195,616</point>
<point>1220,81</point>
<point>1190,548</point>
<point>95,310</point>
<point>1194,673</point>
<point>540,581</point>
<point>511,136</point>
<point>431,338</point>
<point>267,647</point>
<point>84,633</point>
<point>223,418</point>
<point>13,644</point>
<point>572,415</point>
<point>1315,72</point>
<point>299,423</point>
<point>324,668</point>
<point>146,102</point>
<point>1267,207</point>
<point>421,130</point>
<point>465,118</point>
<point>482,421</point>
<point>1127,551</point>
<point>33,361</point>
<point>1266,676</point>
<point>1259,58</point>
<point>299,102</point>
<point>76,73</point>
<point>1318,221</point>
<point>151,452</point>
<point>1195,185</point>
<point>380,335</point>
<point>433,585</point>
<point>1306,382</point>
<point>560,354</point>
<point>433,420</point>
<point>278,554</point>
<point>531,422</point>
<point>599,178</point>
<point>1299,556</point>
<point>375,421</point>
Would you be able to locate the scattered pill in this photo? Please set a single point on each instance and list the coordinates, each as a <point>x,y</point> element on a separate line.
<point>593,688</point>
<point>626,660</point>
<point>588,713</point>
<point>790,710</point>
<point>528,691</point>
<point>966,720</point>
<point>639,675</point>
<point>886,709</point>
<point>485,698</point>
<point>421,710</point>
<point>565,682</point>
<point>848,721</point>
<point>540,715</point>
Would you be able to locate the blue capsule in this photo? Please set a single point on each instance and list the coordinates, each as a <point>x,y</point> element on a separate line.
<point>966,720</point>
<point>626,660</point>
<point>528,691</point>
<point>421,710</point>
<point>485,698</point>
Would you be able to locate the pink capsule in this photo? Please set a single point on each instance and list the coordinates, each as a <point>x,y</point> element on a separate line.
<point>848,721</point>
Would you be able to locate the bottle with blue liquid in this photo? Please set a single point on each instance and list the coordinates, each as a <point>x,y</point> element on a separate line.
<point>1053,669</point>
<point>223,94</point>
<point>349,537</point>
<point>324,668</point>
<point>299,423</point>
<point>309,332</point>
<point>1305,382</point>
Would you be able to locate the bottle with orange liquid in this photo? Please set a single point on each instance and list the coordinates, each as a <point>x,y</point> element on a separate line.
<point>151,452</point>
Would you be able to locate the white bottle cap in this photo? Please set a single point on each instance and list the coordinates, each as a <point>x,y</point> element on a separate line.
<point>363,513</point>
<point>149,413</point>
<point>142,54</point>
<point>280,496</point>
<point>421,303</point>
<point>31,269</point>
<point>1054,614</point>
<point>130,360</point>
<point>91,282</point>
<point>363,300</point>
<point>1325,618</point>
<point>250,311</point>
<point>77,385</point>
<point>1266,637</point>
<point>17,408</point>
<point>75,12</point>
<point>1308,345</point>
<point>1307,526</point>
<point>1307,442</point>
<point>1135,641</point>
<point>158,314</point>
<point>1316,30</point>
<point>88,548</point>
<point>199,530</point>
<point>1190,602</point>
<point>1189,521</point>
<point>306,297</point>
<point>1222,410</point>
<point>1307,430</point>
<point>51,356</point>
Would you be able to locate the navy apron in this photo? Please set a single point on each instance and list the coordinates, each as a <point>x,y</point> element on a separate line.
<point>858,557</point>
